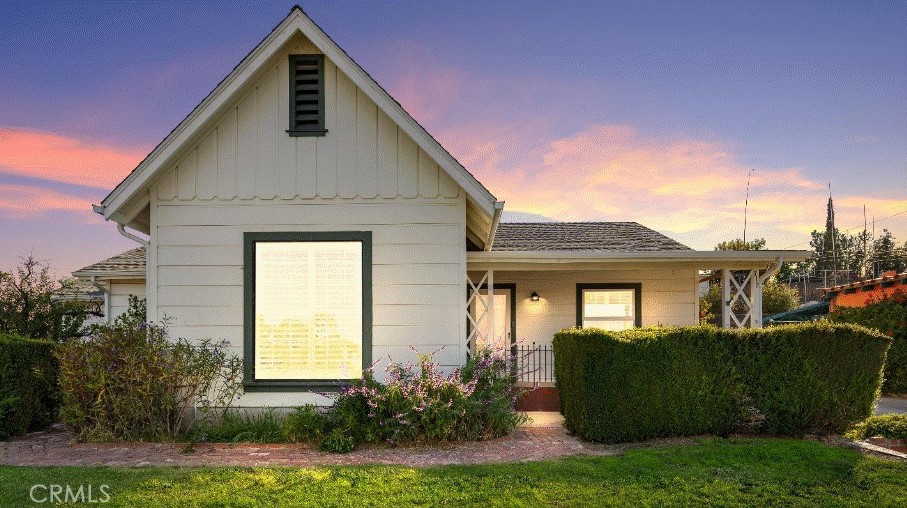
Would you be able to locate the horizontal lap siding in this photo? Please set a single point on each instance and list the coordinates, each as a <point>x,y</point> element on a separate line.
<point>668,298</point>
<point>119,296</point>
<point>245,174</point>
<point>200,268</point>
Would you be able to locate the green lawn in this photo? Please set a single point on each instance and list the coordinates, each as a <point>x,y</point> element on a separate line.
<point>736,472</point>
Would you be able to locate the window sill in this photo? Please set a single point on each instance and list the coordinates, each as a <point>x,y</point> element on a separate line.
<point>302,134</point>
<point>296,386</point>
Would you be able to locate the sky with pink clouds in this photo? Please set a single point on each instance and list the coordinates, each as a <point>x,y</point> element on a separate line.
<point>568,111</point>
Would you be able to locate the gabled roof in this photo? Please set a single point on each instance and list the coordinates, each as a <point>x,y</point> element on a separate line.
<point>119,205</point>
<point>127,264</point>
<point>581,236</point>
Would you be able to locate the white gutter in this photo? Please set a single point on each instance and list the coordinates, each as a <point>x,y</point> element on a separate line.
<point>773,270</point>
<point>634,256</point>
<point>495,220</point>
<point>122,229</point>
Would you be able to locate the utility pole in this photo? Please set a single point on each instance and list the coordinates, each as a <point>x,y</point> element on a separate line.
<point>746,203</point>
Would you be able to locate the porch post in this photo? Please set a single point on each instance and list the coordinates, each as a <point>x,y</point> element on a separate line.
<point>490,338</point>
<point>725,298</point>
<point>747,293</point>
<point>756,298</point>
<point>481,311</point>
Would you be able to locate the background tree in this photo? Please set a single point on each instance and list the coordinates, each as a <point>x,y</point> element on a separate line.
<point>740,244</point>
<point>886,255</point>
<point>27,306</point>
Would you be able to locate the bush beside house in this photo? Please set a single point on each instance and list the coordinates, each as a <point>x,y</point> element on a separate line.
<point>889,316</point>
<point>29,395</point>
<point>127,381</point>
<point>661,382</point>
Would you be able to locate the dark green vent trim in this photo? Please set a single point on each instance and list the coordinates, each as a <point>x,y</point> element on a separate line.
<point>307,95</point>
<point>292,385</point>
<point>637,299</point>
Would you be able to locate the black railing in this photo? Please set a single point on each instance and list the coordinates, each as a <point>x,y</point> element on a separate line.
<point>534,363</point>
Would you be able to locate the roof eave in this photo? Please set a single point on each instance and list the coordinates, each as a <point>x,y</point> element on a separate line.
<point>107,275</point>
<point>710,258</point>
<point>168,149</point>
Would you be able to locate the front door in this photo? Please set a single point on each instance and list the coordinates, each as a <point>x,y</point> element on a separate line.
<point>503,335</point>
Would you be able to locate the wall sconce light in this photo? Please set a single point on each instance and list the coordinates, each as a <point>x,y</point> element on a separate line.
<point>534,296</point>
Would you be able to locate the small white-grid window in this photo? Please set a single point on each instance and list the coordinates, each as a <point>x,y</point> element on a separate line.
<point>608,308</point>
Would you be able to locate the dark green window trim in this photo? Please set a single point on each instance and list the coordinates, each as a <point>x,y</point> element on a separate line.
<point>298,94</point>
<point>275,385</point>
<point>637,299</point>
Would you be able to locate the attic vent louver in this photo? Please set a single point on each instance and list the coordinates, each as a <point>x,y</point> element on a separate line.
<point>307,95</point>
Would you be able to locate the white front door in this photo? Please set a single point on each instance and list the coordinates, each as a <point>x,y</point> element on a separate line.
<point>502,334</point>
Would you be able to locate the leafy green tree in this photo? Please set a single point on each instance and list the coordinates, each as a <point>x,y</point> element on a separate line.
<point>886,255</point>
<point>740,244</point>
<point>27,306</point>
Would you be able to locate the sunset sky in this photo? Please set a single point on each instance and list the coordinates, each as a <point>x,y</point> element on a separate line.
<point>565,110</point>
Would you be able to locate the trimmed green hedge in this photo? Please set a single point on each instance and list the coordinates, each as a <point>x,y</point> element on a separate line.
<point>890,426</point>
<point>889,316</point>
<point>660,382</point>
<point>29,394</point>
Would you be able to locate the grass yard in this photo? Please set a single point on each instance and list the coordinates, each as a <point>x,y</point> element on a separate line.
<point>726,472</point>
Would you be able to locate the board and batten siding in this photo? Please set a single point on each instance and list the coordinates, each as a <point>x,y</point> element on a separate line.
<point>246,174</point>
<point>669,297</point>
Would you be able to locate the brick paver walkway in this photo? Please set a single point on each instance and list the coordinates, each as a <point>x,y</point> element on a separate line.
<point>542,439</point>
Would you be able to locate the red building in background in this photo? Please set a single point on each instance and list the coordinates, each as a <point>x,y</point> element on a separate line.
<point>858,294</point>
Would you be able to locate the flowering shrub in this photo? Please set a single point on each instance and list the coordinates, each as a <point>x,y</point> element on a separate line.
<point>420,403</point>
<point>128,381</point>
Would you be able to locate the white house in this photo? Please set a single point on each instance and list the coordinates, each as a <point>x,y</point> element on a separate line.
<point>302,215</point>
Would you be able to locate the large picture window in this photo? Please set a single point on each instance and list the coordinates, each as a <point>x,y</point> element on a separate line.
<point>610,306</point>
<point>308,308</point>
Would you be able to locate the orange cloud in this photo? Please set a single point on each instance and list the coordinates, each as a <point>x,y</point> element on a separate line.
<point>24,200</point>
<point>425,93</point>
<point>691,189</point>
<point>54,157</point>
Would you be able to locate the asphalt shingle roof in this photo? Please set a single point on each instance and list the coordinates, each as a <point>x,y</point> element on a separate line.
<point>78,290</point>
<point>581,236</point>
<point>510,236</point>
<point>129,261</point>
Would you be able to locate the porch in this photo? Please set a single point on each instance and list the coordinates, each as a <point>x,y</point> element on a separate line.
<point>517,301</point>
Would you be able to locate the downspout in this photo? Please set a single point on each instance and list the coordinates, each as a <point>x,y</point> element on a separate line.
<point>495,220</point>
<point>773,270</point>
<point>122,229</point>
<point>106,293</point>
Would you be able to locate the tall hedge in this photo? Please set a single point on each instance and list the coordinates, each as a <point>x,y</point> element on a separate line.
<point>660,382</point>
<point>889,316</point>
<point>29,394</point>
